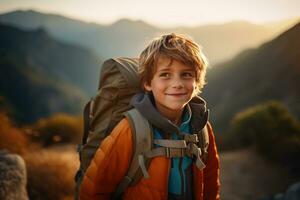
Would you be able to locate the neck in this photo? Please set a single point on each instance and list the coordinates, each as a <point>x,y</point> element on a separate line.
<point>175,120</point>
<point>173,115</point>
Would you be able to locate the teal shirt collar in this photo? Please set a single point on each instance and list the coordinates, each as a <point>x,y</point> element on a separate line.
<point>187,115</point>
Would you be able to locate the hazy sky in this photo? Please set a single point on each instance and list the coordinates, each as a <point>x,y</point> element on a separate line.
<point>163,12</point>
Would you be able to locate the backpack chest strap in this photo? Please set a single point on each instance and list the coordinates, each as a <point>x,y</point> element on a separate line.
<point>174,149</point>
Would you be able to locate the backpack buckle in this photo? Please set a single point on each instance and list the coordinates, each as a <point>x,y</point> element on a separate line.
<point>175,152</point>
<point>191,138</point>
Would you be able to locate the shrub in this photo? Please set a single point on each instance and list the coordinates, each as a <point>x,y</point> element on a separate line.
<point>59,128</point>
<point>50,175</point>
<point>270,127</point>
<point>11,138</point>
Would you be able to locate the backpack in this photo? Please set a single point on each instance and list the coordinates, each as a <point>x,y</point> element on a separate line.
<point>118,83</point>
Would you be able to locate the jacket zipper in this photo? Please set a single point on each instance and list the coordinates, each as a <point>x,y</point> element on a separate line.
<point>181,176</point>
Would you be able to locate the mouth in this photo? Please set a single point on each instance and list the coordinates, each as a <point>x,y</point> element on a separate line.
<point>176,94</point>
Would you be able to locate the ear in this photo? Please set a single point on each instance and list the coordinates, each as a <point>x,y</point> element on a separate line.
<point>147,87</point>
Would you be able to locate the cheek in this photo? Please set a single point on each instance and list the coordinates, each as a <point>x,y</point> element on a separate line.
<point>158,84</point>
<point>159,87</point>
<point>191,85</point>
<point>193,88</point>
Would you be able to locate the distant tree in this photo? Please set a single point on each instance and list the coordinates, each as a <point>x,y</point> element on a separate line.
<point>271,128</point>
<point>59,128</point>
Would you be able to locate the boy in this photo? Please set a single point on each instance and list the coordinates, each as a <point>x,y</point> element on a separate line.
<point>172,72</point>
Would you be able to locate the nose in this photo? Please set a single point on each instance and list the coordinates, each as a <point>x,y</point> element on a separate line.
<point>177,83</point>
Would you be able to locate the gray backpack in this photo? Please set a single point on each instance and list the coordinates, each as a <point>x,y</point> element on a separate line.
<point>118,83</point>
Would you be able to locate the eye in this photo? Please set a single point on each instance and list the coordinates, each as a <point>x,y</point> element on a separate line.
<point>165,75</point>
<point>188,74</point>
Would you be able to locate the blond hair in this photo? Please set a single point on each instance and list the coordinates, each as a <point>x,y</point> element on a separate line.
<point>176,47</point>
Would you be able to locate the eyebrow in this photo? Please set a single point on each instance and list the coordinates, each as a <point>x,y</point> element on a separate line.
<point>164,69</point>
<point>168,69</point>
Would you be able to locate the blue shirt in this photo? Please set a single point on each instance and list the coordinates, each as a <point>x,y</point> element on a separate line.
<point>178,173</point>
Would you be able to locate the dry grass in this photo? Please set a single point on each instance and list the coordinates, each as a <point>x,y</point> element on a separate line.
<point>12,138</point>
<point>51,174</point>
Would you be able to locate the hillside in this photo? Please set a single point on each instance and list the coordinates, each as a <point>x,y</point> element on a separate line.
<point>271,71</point>
<point>39,76</point>
<point>127,38</point>
<point>55,59</point>
<point>28,95</point>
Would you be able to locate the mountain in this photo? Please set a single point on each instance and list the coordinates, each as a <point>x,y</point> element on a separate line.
<point>127,38</point>
<point>27,94</point>
<point>56,59</point>
<point>282,25</point>
<point>40,76</point>
<point>123,38</point>
<point>221,42</point>
<point>271,71</point>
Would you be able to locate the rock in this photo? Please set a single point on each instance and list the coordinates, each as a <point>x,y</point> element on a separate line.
<point>13,177</point>
<point>279,196</point>
<point>293,192</point>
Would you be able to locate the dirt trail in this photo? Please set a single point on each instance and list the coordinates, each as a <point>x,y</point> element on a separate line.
<point>246,176</point>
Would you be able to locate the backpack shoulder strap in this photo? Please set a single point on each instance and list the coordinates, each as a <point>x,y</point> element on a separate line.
<point>203,137</point>
<point>86,121</point>
<point>142,142</point>
<point>199,127</point>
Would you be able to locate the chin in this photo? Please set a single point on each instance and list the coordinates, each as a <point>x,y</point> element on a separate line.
<point>176,107</point>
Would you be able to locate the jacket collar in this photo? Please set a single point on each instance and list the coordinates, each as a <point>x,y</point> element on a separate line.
<point>144,103</point>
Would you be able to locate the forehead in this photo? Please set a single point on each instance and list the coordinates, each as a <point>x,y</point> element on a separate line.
<point>166,63</point>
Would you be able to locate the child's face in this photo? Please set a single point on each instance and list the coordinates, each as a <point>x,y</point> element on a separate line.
<point>173,85</point>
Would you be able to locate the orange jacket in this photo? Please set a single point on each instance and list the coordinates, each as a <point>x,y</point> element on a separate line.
<point>112,160</point>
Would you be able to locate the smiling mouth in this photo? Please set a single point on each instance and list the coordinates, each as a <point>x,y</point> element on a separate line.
<point>177,94</point>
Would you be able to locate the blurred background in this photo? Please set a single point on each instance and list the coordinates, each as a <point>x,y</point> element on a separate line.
<point>50,59</point>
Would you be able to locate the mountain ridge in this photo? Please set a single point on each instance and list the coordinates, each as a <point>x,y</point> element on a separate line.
<point>220,42</point>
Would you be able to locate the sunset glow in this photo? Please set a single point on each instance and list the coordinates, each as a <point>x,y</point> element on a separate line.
<point>163,13</point>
